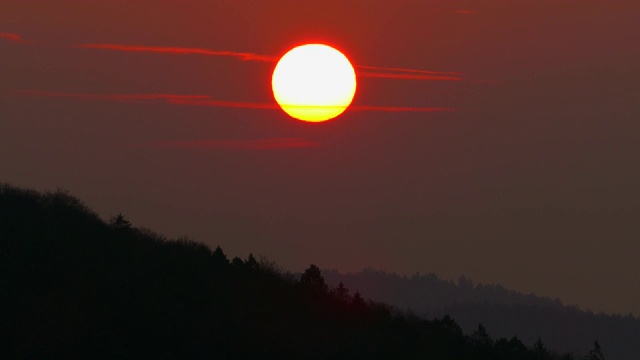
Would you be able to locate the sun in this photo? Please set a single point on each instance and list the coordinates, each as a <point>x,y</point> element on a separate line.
<point>314,82</point>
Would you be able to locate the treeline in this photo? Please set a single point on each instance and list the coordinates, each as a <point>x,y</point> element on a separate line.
<point>504,312</point>
<point>428,292</point>
<point>73,286</point>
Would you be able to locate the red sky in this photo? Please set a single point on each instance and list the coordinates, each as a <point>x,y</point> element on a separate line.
<point>526,174</point>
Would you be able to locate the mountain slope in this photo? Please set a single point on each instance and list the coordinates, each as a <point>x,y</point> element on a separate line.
<point>504,312</point>
<point>73,286</point>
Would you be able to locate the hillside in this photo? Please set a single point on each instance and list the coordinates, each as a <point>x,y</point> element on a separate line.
<point>504,312</point>
<point>73,286</point>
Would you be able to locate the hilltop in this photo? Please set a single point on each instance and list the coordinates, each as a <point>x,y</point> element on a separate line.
<point>504,312</point>
<point>75,286</point>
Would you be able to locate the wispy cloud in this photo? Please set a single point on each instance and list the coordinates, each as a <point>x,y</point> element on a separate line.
<point>165,98</point>
<point>399,109</point>
<point>409,76</point>
<point>273,106</point>
<point>363,70</point>
<point>174,99</point>
<point>466,12</point>
<point>236,144</point>
<point>245,56</point>
<point>11,37</point>
<point>406,70</point>
<point>397,73</point>
<point>222,103</point>
<point>206,100</point>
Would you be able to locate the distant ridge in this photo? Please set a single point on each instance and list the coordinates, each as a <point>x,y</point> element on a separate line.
<point>504,312</point>
<point>73,286</point>
<point>429,293</point>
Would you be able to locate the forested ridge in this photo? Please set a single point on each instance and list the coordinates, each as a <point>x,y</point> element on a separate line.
<point>504,312</point>
<point>74,286</point>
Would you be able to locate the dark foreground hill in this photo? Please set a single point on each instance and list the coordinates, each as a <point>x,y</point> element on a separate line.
<point>503,312</point>
<point>75,287</point>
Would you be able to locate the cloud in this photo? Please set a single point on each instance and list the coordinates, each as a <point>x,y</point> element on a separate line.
<point>364,70</point>
<point>236,144</point>
<point>165,98</point>
<point>274,106</point>
<point>222,103</point>
<point>399,109</point>
<point>466,12</point>
<point>409,76</point>
<point>405,70</point>
<point>205,100</point>
<point>174,99</point>
<point>11,37</point>
<point>245,56</point>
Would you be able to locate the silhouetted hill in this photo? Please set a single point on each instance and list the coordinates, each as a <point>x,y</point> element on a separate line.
<point>75,287</point>
<point>503,312</point>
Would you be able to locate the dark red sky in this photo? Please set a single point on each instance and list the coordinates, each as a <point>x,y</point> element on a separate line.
<point>532,181</point>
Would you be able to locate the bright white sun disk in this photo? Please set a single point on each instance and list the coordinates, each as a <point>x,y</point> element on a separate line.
<point>314,82</point>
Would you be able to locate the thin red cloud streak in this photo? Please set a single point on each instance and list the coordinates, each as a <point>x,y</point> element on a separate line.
<point>368,71</point>
<point>237,144</point>
<point>174,99</point>
<point>399,109</point>
<point>222,103</point>
<point>12,37</point>
<point>409,76</point>
<point>167,98</point>
<point>217,103</point>
<point>180,51</point>
<point>205,100</point>
<point>405,70</point>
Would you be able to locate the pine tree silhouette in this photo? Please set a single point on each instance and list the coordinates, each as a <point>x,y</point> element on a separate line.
<point>120,222</point>
<point>312,280</point>
<point>596,352</point>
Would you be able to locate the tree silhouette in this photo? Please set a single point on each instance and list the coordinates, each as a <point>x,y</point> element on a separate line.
<point>482,342</point>
<point>120,222</point>
<point>596,352</point>
<point>540,350</point>
<point>480,336</point>
<point>504,312</point>
<point>219,256</point>
<point>341,293</point>
<point>251,262</point>
<point>312,280</point>
<point>77,289</point>
<point>358,302</point>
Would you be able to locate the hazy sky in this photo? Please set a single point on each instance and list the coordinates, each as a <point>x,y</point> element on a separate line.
<point>162,110</point>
